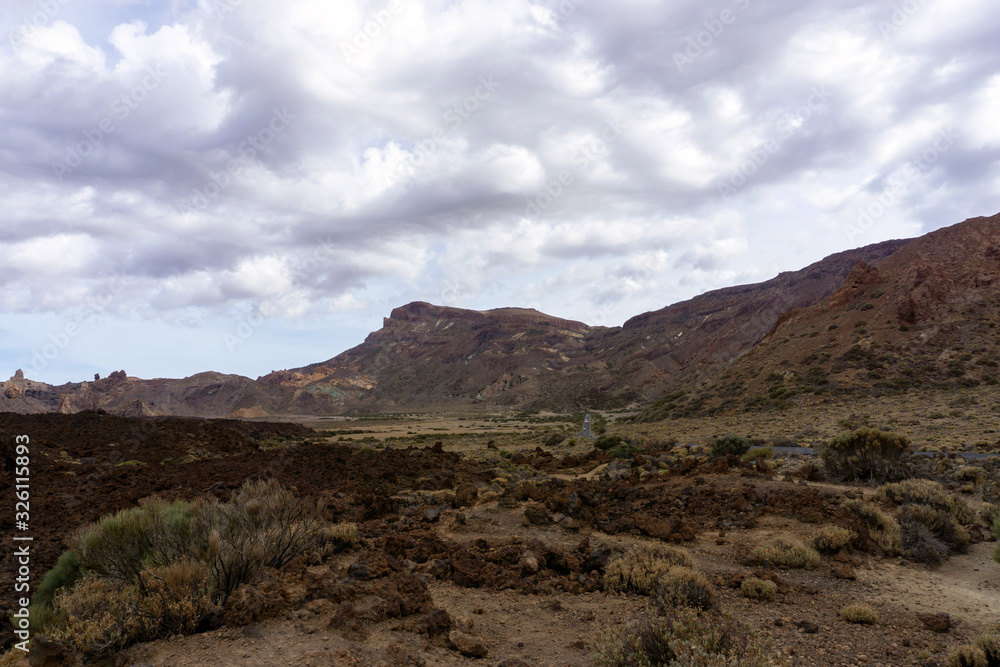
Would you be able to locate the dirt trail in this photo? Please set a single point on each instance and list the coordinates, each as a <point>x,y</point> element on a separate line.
<point>966,586</point>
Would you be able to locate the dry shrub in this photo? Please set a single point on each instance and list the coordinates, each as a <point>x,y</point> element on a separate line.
<point>758,589</point>
<point>683,637</point>
<point>165,568</point>
<point>684,587</point>
<point>11,658</point>
<point>866,454</point>
<point>927,492</point>
<point>335,538</point>
<point>996,536</point>
<point>859,613</point>
<point>973,474</point>
<point>262,525</point>
<point>930,535</point>
<point>833,538</point>
<point>642,569</point>
<point>967,656</point>
<point>881,526</point>
<point>989,643</point>
<point>99,615</point>
<point>787,553</point>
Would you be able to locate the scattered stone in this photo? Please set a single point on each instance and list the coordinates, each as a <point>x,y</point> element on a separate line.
<point>536,514</point>
<point>467,645</point>
<point>528,563</point>
<point>435,567</point>
<point>466,494</point>
<point>46,652</point>
<point>936,622</point>
<point>844,571</point>
<point>808,627</point>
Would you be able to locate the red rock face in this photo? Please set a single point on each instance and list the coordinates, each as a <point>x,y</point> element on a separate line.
<point>925,315</point>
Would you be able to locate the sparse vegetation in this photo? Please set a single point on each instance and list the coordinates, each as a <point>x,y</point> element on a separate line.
<point>755,453</point>
<point>684,587</point>
<point>731,444</point>
<point>866,454</point>
<point>859,613</point>
<point>607,441</point>
<point>163,568</point>
<point>929,493</point>
<point>623,451</point>
<point>882,527</point>
<point>758,589</point>
<point>787,553</point>
<point>832,539</point>
<point>684,637</point>
<point>642,569</point>
<point>985,652</point>
<point>996,536</point>
<point>930,535</point>
<point>967,656</point>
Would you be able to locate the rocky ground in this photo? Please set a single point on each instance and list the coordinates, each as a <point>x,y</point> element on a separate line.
<point>470,553</point>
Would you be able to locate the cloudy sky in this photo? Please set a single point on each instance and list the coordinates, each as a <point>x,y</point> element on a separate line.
<point>249,185</point>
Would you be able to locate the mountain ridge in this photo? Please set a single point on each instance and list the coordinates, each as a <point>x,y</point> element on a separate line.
<point>429,358</point>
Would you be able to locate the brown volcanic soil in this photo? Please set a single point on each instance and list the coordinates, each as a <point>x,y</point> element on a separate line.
<point>439,530</point>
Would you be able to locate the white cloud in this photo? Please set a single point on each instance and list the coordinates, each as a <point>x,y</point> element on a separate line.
<point>429,158</point>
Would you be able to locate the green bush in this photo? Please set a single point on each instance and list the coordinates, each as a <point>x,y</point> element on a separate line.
<point>731,444</point>
<point>606,442</point>
<point>787,553</point>
<point>123,545</point>
<point>866,454</point>
<point>163,568</point>
<point>996,536</point>
<point>859,613</point>
<point>642,569</point>
<point>623,451</point>
<point>683,637</point>
<point>759,453</point>
<point>832,539</point>
<point>882,527</point>
<point>758,589</point>
<point>554,439</point>
<point>66,573</point>
<point>684,587</point>
<point>927,492</point>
